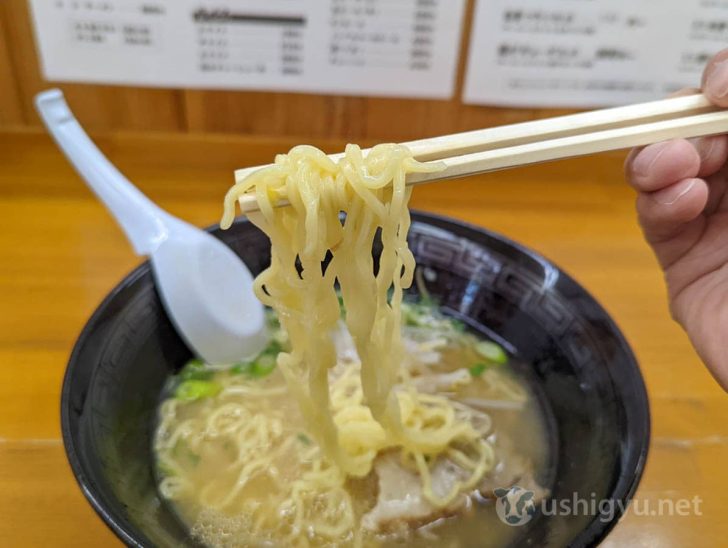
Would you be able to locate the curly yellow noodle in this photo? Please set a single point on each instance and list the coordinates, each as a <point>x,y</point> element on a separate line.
<point>368,407</point>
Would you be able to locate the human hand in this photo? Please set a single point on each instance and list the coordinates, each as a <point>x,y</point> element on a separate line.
<point>682,205</point>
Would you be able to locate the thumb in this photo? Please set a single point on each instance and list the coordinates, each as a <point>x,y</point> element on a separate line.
<point>715,79</point>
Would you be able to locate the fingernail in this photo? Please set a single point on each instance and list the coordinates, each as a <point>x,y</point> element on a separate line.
<point>717,82</point>
<point>645,159</point>
<point>672,194</point>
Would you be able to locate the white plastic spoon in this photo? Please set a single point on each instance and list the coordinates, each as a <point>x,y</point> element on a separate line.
<point>206,289</point>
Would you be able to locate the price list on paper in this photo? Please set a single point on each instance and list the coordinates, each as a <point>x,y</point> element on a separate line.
<point>590,52</point>
<point>361,47</point>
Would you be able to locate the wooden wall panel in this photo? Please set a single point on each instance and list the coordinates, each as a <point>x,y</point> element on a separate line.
<point>300,116</point>
<point>99,108</point>
<point>311,116</point>
<point>11,110</point>
<point>270,113</point>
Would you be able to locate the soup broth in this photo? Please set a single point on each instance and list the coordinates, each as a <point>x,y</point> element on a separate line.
<point>235,461</point>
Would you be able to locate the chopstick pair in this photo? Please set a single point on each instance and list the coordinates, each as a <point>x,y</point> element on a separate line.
<point>503,147</point>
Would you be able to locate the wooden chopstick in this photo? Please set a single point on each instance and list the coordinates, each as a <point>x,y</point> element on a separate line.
<point>492,149</point>
<point>700,125</point>
<point>473,141</point>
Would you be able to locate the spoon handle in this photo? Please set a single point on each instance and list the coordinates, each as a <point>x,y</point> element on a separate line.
<point>143,222</point>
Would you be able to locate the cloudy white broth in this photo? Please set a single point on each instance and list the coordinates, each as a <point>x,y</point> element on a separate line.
<point>238,465</point>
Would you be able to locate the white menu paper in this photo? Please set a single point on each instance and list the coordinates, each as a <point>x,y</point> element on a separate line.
<point>359,47</point>
<point>585,53</point>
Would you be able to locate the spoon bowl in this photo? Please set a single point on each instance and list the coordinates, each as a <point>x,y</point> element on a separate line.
<point>203,286</point>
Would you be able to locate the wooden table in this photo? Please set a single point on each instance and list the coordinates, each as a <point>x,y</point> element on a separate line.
<point>61,253</point>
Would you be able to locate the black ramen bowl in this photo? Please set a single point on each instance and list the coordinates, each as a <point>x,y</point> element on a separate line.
<point>580,366</point>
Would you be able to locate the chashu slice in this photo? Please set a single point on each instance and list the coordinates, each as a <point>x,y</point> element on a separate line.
<point>401,503</point>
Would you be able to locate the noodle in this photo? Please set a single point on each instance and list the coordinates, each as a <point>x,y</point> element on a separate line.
<point>373,194</point>
<point>357,411</point>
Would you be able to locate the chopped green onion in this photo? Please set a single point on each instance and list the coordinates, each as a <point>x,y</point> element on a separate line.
<point>165,469</point>
<point>182,450</point>
<point>241,368</point>
<point>491,351</point>
<point>271,320</point>
<point>478,369</point>
<point>195,370</point>
<point>409,317</point>
<point>195,363</point>
<point>458,326</point>
<point>193,389</point>
<point>416,315</point>
<point>304,439</point>
<point>261,367</point>
<point>274,348</point>
<point>427,300</point>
